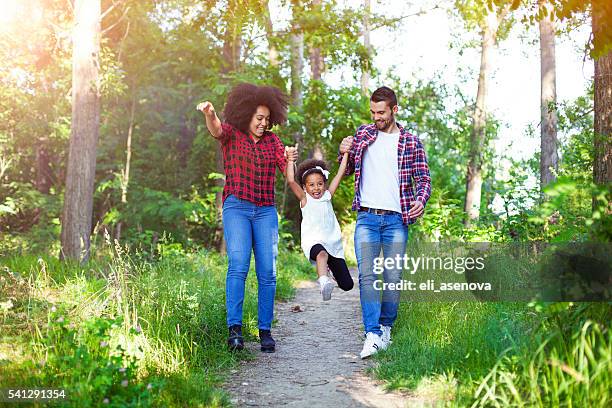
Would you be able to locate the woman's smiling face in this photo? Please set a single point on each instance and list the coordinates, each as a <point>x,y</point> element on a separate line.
<point>315,185</point>
<point>260,121</point>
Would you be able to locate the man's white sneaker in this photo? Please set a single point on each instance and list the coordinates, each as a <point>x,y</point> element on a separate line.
<point>372,344</point>
<point>327,286</point>
<point>386,336</point>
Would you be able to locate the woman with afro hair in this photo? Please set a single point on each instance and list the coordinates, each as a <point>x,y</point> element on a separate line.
<point>251,154</point>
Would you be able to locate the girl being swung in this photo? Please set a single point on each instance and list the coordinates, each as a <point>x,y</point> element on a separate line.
<point>320,231</point>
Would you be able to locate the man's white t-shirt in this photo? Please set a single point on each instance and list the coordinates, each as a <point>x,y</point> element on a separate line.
<point>379,184</point>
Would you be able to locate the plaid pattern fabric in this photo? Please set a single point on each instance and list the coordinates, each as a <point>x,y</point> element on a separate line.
<point>412,164</point>
<point>249,167</point>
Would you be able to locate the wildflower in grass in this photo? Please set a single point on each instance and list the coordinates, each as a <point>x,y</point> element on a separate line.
<point>60,319</point>
<point>105,401</point>
<point>149,386</point>
<point>138,329</point>
<point>124,383</point>
<point>103,344</point>
<point>122,370</point>
<point>53,309</point>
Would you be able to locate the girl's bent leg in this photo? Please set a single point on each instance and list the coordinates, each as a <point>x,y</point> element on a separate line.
<point>341,273</point>
<point>322,258</point>
<point>265,245</point>
<point>237,230</point>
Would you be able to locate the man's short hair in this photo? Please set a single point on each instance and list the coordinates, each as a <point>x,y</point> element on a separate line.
<point>386,94</point>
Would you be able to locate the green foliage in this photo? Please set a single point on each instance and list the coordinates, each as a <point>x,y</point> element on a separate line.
<point>571,363</point>
<point>476,13</point>
<point>576,124</point>
<point>502,354</point>
<point>336,32</point>
<point>75,353</point>
<point>23,208</point>
<point>451,342</point>
<point>601,41</point>
<point>444,220</point>
<point>108,329</point>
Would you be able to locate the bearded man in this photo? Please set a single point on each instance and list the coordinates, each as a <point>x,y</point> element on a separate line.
<point>392,186</point>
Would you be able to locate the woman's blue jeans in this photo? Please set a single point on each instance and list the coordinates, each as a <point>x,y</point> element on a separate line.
<point>373,233</point>
<point>250,228</point>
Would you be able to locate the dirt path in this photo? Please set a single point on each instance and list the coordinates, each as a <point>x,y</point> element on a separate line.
<point>317,358</point>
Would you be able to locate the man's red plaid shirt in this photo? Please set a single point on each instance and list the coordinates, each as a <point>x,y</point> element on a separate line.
<point>414,178</point>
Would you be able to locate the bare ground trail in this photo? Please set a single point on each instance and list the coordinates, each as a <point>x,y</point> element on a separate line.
<point>317,358</point>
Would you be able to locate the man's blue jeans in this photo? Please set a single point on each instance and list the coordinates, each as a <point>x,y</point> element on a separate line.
<point>373,233</point>
<point>248,227</point>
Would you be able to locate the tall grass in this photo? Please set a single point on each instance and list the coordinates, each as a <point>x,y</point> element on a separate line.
<point>440,346</point>
<point>571,368</point>
<point>161,322</point>
<point>502,354</point>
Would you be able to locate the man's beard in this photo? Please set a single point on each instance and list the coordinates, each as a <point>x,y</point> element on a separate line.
<point>384,125</point>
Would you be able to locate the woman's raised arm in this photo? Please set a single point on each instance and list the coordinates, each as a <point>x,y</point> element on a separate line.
<point>213,123</point>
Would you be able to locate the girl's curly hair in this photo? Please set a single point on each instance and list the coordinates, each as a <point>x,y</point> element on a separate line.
<point>307,165</point>
<point>243,100</point>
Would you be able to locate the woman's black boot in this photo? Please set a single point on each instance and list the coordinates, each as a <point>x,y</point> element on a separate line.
<point>268,345</point>
<point>235,340</point>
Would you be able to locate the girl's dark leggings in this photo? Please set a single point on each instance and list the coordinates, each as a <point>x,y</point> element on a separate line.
<point>336,265</point>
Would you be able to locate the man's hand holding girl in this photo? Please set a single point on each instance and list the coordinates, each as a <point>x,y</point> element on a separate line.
<point>346,144</point>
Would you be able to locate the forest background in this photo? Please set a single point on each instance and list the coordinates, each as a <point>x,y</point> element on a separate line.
<point>104,160</point>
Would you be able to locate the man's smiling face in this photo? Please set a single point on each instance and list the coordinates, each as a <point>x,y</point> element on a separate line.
<point>383,115</point>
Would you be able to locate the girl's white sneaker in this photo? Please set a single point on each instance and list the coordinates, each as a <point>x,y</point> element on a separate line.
<point>327,286</point>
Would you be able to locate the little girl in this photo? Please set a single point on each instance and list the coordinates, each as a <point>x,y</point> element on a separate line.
<point>321,237</point>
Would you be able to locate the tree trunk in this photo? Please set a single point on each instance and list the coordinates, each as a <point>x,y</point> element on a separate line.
<point>474,170</point>
<point>602,165</point>
<point>222,247</point>
<point>365,71</point>
<point>316,63</point>
<point>185,143</point>
<point>232,41</point>
<point>272,50</point>
<point>231,56</point>
<point>43,168</point>
<point>548,137</point>
<point>125,179</point>
<point>318,153</point>
<point>297,65</point>
<point>315,57</point>
<point>81,167</point>
<point>296,44</point>
<point>125,174</point>
<point>473,188</point>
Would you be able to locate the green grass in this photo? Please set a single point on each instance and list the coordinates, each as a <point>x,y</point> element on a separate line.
<point>157,325</point>
<point>435,345</point>
<point>501,354</point>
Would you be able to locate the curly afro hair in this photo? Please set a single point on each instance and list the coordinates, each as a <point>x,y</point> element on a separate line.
<point>308,165</point>
<point>243,100</point>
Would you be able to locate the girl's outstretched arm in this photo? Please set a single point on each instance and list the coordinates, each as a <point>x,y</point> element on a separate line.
<point>212,121</point>
<point>295,187</point>
<point>333,186</point>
